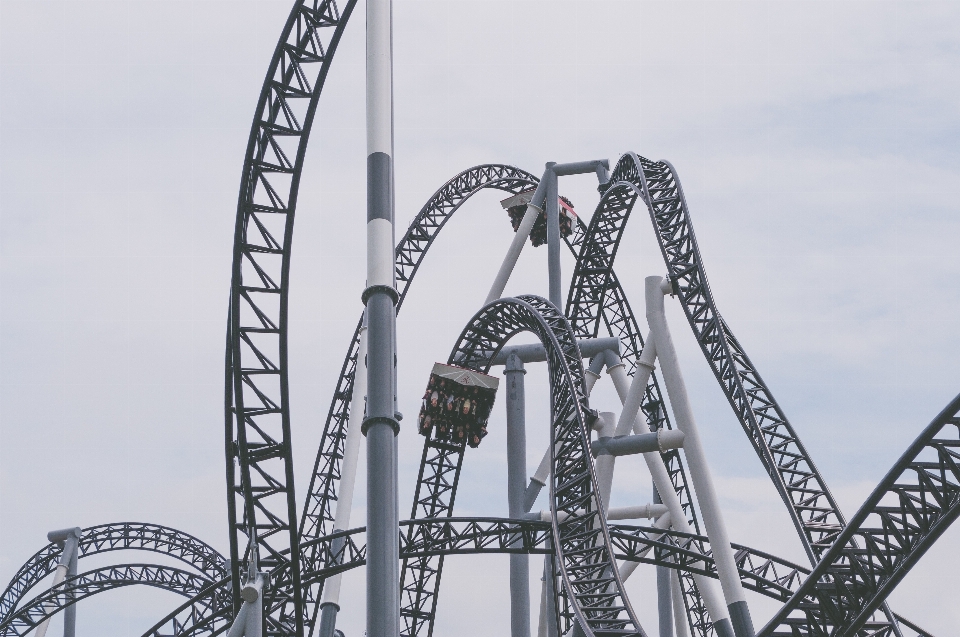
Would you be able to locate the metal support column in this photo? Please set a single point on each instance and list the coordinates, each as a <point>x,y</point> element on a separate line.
<point>664,590</point>
<point>69,539</point>
<point>552,206</point>
<point>727,570</point>
<point>516,492</point>
<point>380,297</point>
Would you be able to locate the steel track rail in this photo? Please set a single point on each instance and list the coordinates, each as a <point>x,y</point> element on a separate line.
<point>911,507</point>
<point>115,537</point>
<point>261,501</point>
<point>596,297</point>
<point>84,585</point>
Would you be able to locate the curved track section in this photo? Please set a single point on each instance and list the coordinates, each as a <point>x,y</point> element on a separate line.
<point>910,508</point>
<point>587,568</point>
<point>596,298</point>
<point>116,537</point>
<point>97,581</point>
<point>261,501</point>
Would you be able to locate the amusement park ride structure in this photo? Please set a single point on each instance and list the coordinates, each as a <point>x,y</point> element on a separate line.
<point>283,574</point>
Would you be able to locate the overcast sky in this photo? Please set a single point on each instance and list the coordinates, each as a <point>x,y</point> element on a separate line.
<point>817,144</point>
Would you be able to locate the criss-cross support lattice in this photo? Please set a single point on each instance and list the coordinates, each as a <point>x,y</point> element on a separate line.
<point>596,297</point>
<point>72,590</point>
<point>115,537</point>
<point>261,501</point>
<point>910,508</point>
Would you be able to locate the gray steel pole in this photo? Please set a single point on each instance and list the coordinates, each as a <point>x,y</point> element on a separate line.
<point>516,491</point>
<point>67,567</point>
<point>552,207</point>
<point>70,613</point>
<point>664,590</point>
<point>380,296</point>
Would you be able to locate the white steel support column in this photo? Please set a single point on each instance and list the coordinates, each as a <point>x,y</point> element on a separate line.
<point>679,610</point>
<point>380,297</point>
<point>330,603</point>
<point>67,567</point>
<point>697,460</point>
<point>629,393</point>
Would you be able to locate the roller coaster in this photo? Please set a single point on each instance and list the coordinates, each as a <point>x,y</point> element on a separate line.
<point>290,563</point>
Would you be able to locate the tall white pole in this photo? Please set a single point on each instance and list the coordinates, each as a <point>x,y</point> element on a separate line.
<point>380,296</point>
<point>330,603</point>
<point>697,460</point>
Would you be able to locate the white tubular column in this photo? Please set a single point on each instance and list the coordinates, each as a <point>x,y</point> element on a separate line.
<point>69,540</point>
<point>330,603</point>
<point>534,210</point>
<point>697,460</point>
<point>516,491</point>
<point>661,478</point>
<point>605,460</point>
<point>380,297</point>
<point>627,568</point>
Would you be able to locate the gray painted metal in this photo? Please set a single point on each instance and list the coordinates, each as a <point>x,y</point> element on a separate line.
<point>628,445</point>
<point>536,353</point>
<point>580,167</point>
<point>655,288</point>
<point>664,590</point>
<point>70,538</point>
<point>516,491</point>
<point>552,206</point>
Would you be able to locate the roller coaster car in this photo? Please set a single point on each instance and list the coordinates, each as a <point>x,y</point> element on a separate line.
<point>516,207</point>
<point>457,404</point>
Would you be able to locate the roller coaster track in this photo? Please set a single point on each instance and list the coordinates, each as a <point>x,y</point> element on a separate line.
<point>910,508</point>
<point>341,551</point>
<point>115,537</point>
<point>811,506</point>
<point>81,586</point>
<point>584,557</point>
<point>261,503</point>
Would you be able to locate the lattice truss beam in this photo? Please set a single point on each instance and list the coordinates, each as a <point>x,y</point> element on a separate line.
<point>910,508</point>
<point>261,503</point>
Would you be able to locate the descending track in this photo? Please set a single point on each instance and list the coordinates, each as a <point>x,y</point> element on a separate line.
<point>910,508</point>
<point>261,503</point>
<point>74,589</point>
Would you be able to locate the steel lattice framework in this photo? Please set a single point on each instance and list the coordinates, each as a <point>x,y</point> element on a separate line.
<point>908,511</point>
<point>261,503</point>
<point>115,537</point>
<point>910,508</point>
<point>585,560</point>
